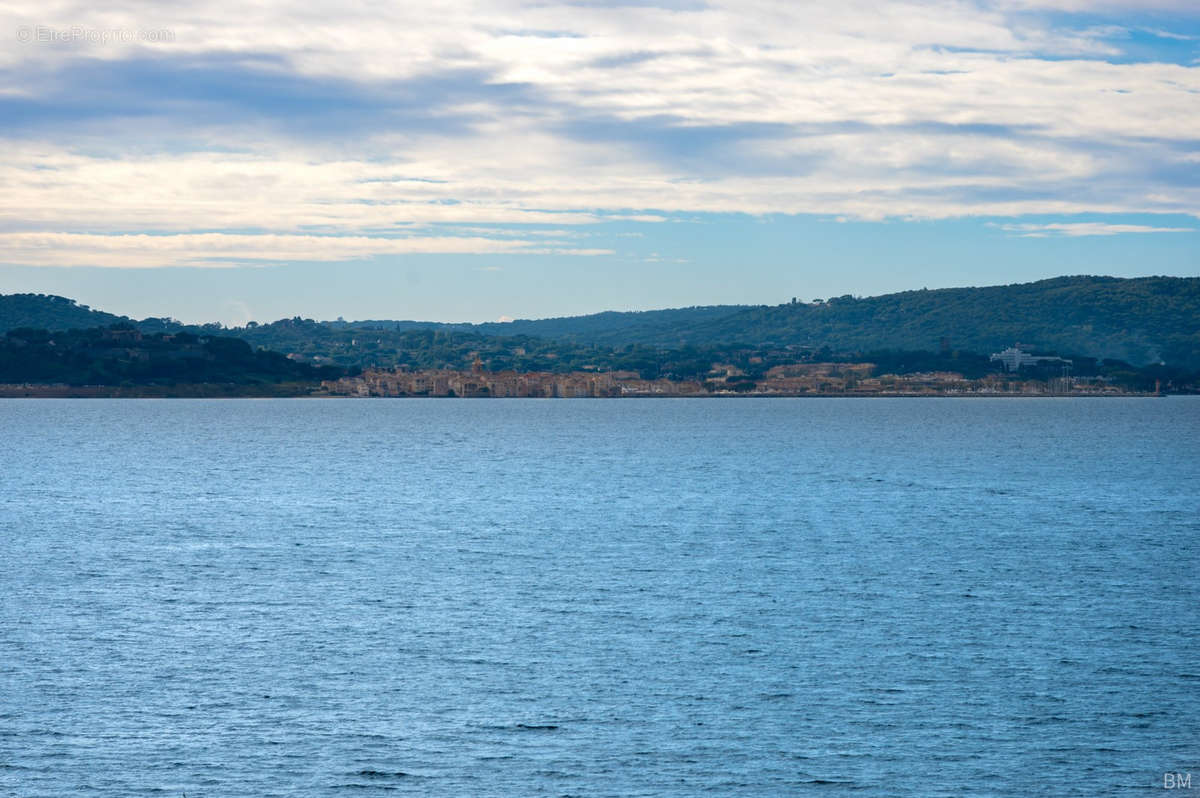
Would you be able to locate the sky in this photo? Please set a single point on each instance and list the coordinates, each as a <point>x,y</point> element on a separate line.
<point>523,159</point>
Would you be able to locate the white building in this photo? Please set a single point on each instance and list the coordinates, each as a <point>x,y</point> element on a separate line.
<point>1014,358</point>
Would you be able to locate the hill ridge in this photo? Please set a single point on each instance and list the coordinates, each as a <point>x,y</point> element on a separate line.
<point>1141,320</point>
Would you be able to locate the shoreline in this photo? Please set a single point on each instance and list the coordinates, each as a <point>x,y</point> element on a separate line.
<point>295,391</point>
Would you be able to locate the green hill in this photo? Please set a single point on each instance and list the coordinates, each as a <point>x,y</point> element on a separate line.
<point>49,312</point>
<point>122,354</point>
<point>622,325</point>
<point>1141,320</point>
<point>625,325</point>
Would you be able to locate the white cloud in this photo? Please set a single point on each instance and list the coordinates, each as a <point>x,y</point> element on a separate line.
<point>844,108</point>
<point>1085,6</point>
<point>216,250</point>
<point>1166,34</point>
<point>1076,229</point>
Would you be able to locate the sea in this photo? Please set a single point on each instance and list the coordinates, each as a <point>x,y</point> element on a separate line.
<point>626,597</point>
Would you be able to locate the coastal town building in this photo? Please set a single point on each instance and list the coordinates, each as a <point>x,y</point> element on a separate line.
<point>801,379</point>
<point>506,384</point>
<point>1014,359</point>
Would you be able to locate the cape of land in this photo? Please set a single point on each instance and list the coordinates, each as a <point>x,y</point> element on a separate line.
<point>1135,335</point>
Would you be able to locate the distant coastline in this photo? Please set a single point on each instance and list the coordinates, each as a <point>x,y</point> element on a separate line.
<point>544,386</point>
<point>106,392</point>
<point>182,391</point>
<point>798,380</point>
<point>1066,336</point>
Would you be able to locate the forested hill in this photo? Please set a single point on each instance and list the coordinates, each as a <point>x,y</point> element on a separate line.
<point>1143,321</point>
<point>122,354</point>
<point>622,326</point>
<point>49,312</point>
<point>619,326</point>
<point>1140,320</point>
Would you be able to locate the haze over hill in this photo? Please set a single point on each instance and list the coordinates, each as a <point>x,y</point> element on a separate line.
<point>1139,320</point>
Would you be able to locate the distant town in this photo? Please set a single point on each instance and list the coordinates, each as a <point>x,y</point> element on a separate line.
<point>801,379</point>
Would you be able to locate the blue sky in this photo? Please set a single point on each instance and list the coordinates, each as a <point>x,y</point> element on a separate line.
<point>527,159</point>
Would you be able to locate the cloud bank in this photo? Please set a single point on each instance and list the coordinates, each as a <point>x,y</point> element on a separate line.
<point>347,130</point>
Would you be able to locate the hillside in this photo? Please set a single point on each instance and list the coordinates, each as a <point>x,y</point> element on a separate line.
<point>49,312</point>
<point>1140,320</point>
<point>121,354</point>
<point>631,324</point>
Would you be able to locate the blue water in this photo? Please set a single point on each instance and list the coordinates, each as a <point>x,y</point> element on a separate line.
<point>624,597</point>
